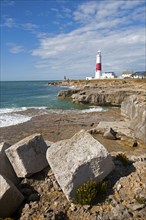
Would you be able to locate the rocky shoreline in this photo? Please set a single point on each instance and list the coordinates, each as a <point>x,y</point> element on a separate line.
<point>129,94</point>
<point>126,194</point>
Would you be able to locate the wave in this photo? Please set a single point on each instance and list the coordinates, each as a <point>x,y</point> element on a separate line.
<point>93,109</point>
<point>19,109</point>
<point>12,119</point>
<point>13,116</point>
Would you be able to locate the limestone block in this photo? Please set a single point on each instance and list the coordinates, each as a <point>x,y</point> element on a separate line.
<point>6,168</point>
<point>28,156</point>
<point>10,197</point>
<point>76,160</point>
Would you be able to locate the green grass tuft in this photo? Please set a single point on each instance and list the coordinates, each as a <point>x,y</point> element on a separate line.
<point>88,192</point>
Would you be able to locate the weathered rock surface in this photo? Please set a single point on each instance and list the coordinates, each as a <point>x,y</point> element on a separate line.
<point>28,156</point>
<point>101,97</point>
<point>78,159</point>
<point>119,126</point>
<point>10,197</point>
<point>134,107</point>
<point>6,168</point>
<point>115,93</point>
<point>67,93</point>
<point>110,134</point>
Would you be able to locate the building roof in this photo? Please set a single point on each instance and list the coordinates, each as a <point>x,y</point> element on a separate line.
<point>139,73</point>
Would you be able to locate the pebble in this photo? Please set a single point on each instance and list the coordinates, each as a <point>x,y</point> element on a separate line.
<point>73,207</point>
<point>119,186</point>
<point>135,207</point>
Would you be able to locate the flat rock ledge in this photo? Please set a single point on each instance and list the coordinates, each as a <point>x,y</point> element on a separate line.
<point>78,159</point>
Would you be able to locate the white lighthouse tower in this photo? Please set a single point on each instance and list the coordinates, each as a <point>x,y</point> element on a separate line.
<point>98,65</point>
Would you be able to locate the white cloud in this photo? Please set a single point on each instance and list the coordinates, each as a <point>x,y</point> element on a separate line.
<point>15,49</point>
<point>28,26</point>
<point>105,25</point>
<point>7,3</point>
<point>9,22</point>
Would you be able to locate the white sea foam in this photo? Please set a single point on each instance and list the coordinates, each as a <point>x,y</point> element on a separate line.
<point>10,110</point>
<point>94,109</point>
<point>12,119</point>
<point>13,116</point>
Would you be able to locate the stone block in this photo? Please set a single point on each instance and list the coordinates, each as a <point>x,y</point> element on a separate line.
<point>28,156</point>
<point>6,168</point>
<point>10,197</point>
<point>78,159</point>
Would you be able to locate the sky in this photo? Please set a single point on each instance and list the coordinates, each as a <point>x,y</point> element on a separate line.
<point>50,39</point>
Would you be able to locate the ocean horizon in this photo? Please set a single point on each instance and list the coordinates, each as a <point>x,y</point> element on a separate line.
<point>17,97</point>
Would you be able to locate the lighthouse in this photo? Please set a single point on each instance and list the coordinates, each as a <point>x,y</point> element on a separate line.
<point>98,65</point>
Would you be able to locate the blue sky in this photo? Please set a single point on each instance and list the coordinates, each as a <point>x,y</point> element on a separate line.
<point>50,39</point>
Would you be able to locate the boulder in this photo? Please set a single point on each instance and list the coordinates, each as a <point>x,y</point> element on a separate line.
<point>10,197</point>
<point>28,156</point>
<point>6,168</point>
<point>78,159</point>
<point>110,134</point>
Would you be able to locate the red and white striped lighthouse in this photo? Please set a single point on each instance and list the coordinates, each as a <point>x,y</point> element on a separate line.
<point>98,65</point>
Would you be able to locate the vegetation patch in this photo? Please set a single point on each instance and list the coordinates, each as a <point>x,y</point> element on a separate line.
<point>88,192</point>
<point>140,200</point>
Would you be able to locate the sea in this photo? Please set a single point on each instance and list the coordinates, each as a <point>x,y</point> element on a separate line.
<point>17,97</point>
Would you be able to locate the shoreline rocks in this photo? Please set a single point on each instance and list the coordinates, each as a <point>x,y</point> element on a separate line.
<point>44,199</point>
<point>134,107</point>
<point>132,101</point>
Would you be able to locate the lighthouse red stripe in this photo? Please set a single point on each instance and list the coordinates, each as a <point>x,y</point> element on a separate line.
<point>98,66</point>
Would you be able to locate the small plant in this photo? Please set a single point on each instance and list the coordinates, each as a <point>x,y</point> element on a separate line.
<point>123,159</point>
<point>140,200</point>
<point>86,193</point>
<point>102,187</point>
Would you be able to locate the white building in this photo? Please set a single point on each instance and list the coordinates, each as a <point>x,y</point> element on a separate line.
<point>126,75</point>
<point>108,75</point>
